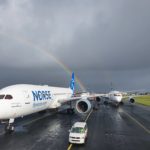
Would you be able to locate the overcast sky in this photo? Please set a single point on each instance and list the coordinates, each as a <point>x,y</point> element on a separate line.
<point>102,41</point>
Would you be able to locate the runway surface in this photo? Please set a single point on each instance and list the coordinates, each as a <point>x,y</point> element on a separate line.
<point>110,128</point>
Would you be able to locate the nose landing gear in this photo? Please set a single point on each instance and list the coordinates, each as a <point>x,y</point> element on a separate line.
<point>9,128</point>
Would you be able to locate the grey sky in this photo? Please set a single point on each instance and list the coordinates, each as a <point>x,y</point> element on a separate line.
<point>103,41</point>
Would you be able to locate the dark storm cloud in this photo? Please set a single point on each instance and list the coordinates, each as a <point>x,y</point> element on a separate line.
<point>41,75</point>
<point>121,42</point>
<point>102,40</point>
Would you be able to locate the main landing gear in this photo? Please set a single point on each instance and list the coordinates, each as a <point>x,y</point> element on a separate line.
<point>9,128</point>
<point>70,110</point>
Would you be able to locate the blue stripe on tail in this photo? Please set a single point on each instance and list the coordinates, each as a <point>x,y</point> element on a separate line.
<point>72,83</point>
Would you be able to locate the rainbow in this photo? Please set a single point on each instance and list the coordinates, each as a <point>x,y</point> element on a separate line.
<point>58,61</point>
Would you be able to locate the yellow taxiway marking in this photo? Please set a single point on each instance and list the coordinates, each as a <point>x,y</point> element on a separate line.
<point>141,125</point>
<point>88,116</point>
<point>70,145</point>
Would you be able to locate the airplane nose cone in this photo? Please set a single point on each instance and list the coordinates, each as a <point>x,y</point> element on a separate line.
<point>4,111</point>
<point>118,99</point>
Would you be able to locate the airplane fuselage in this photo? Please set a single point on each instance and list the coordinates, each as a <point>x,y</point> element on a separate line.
<point>23,99</point>
<point>115,96</point>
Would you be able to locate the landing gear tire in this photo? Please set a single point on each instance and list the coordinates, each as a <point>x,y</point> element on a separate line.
<point>95,107</point>
<point>70,110</point>
<point>116,105</point>
<point>9,128</point>
<point>121,103</point>
<point>105,103</point>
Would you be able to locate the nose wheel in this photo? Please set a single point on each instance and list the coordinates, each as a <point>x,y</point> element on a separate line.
<point>9,128</point>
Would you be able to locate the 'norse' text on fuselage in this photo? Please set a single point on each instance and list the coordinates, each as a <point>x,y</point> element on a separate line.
<point>41,95</point>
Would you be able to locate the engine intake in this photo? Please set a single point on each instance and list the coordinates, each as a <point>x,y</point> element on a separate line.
<point>98,99</point>
<point>83,106</point>
<point>131,100</point>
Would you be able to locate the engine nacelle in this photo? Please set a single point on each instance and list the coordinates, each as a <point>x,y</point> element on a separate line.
<point>83,106</point>
<point>131,100</point>
<point>98,99</point>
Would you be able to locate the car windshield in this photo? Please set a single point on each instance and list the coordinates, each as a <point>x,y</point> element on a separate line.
<point>77,130</point>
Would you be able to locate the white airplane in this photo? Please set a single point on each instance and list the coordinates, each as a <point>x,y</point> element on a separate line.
<point>116,98</point>
<point>24,99</point>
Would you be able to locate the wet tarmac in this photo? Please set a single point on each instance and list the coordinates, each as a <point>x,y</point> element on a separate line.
<point>110,128</point>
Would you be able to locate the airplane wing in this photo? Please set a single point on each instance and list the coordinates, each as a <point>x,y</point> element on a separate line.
<point>82,96</point>
<point>131,96</point>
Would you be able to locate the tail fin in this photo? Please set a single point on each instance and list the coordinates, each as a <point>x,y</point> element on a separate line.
<point>72,83</point>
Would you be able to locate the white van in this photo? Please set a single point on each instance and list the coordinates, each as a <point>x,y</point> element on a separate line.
<point>78,133</point>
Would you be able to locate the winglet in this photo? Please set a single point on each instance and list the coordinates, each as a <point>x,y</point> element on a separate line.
<point>72,83</point>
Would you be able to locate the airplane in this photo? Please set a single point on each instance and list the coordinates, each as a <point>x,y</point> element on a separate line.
<point>116,98</point>
<point>25,99</point>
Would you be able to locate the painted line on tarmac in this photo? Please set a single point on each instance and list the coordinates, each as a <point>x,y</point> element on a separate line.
<point>141,125</point>
<point>70,145</point>
<point>31,121</point>
<point>37,119</point>
<point>34,120</point>
<point>88,116</point>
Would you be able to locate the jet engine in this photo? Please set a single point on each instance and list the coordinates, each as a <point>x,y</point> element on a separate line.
<point>131,100</point>
<point>83,106</point>
<point>98,99</point>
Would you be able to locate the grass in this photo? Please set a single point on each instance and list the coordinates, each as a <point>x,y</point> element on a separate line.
<point>143,100</point>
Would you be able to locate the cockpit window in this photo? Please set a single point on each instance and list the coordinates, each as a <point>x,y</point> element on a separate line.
<point>8,97</point>
<point>117,95</point>
<point>2,96</point>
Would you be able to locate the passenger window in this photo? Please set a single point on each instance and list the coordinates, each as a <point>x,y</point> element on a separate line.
<point>2,96</point>
<point>8,97</point>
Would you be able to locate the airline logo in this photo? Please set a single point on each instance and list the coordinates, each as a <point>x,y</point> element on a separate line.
<point>41,95</point>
